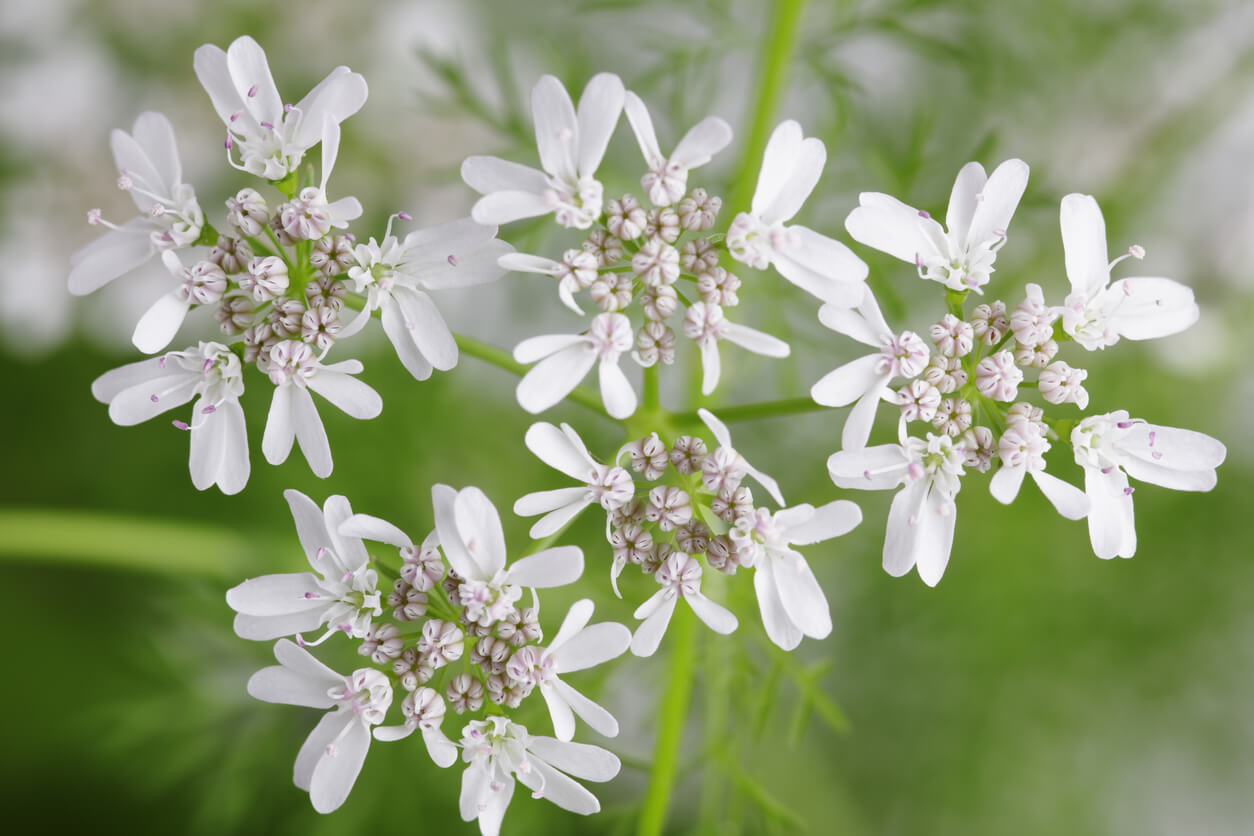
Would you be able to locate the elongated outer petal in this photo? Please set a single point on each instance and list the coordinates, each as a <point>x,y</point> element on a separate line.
<point>577,617</point>
<point>848,383</point>
<point>544,502</point>
<point>547,783</point>
<point>557,131</point>
<point>300,665</point>
<point>711,367</point>
<point>751,339</point>
<point>337,770</point>
<point>1066,498</point>
<point>1112,523</point>
<point>649,634</point>
<point>250,73</point>
<point>479,800</point>
<point>492,174</point>
<point>443,503</point>
<point>717,617</point>
<point>280,432</point>
<point>861,419</point>
<point>311,527</point>
<point>211,68</point>
<point>524,263</point>
<point>963,200</point>
<point>803,172</point>
<point>1179,459</point>
<point>766,481</point>
<point>219,448</point>
<point>1005,484</point>
<point>502,207</point>
<point>884,223</point>
<point>1147,308</point>
<point>549,568</point>
<point>556,520</point>
<point>905,524</point>
<point>347,393</point>
<point>616,392</point>
<point>150,398</point>
<point>157,327</point>
<point>559,711</point>
<point>337,97</point>
<point>390,734</point>
<point>479,527</point>
<point>560,450</point>
<point>132,159</point>
<point>778,160</point>
<point>367,527</point>
<point>113,254</point>
<point>443,751</point>
<point>277,594</point>
<point>155,135</point>
<point>599,108</point>
<point>581,760</point>
<point>314,748</point>
<point>426,327</point>
<point>779,627</point>
<point>821,266</point>
<point>716,426</point>
<point>591,646</point>
<point>801,595</point>
<point>597,718</point>
<point>998,202</point>
<point>1084,244</point>
<point>702,142</point>
<point>536,348</point>
<point>310,434</point>
<point>554,377</point>
<point>834,519</point>
<point>865,324</point>
<point>264,628</point>
<point>460,253</point>
<point>350,551</point>
<point>868,469</point>
<point>402,339</point>
<point>115,381</point>
<point>642,126</point>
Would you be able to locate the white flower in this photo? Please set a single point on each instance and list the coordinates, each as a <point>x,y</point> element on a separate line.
<point>331,758</point>
<point>791,167</point>
<point>706,324</point>
<point>921,519</point>
<point>497,750</point>
<point>791,600</point>
<point>571,147</point>
<point>960,257</point>
<point>396,277</point>
<point>201,284</point>
<point>1097,313</point>
<point>343,594</point>
<point>1112,447</point>
<point>667,178</point>
<point>564,360</point>
<point>310,215</point>
<point>864,382</point>
<point>470,533</point>
<point>723,436</point>
<point>294,370</point>
<point>149,169</point>
<point>576,646</point>
<point>680,577</point>
<point>272,137</point>
<point>562,449</point>
<point>210,373</point>
<point>423,709</point>
<point>577,270</point>
<point>1022,450</point>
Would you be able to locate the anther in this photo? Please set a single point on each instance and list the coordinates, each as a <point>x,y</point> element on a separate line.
<point>452,260</point>
<point>181,425</point>
<point>252,91</point>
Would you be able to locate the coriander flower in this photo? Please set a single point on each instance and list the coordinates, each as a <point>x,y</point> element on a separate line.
<point>341,592</point>
<point>423,709</point>
<point>706,324</point>
<point>864,382</point>
<point>960,255</point>
<point>1097,313</point>
<point>921,519</point>
<point>201,284</point>
<point>209,373</point>
<point>1114,446</point>
<point>667,179</point>
<point>331,758</point>
<point>272,137</point>
<point>791,166</point>
<point>294,370</point>
<point>170,216</point>
<point>1022,449</point>
<point>680,577</point>
<point>562,449</point>
<point>564,360</point>
<point>498,750</point>
<point>571,147</point>
<point>723,436</point>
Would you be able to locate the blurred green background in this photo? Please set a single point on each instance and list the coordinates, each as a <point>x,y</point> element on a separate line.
<point>1037,690</point>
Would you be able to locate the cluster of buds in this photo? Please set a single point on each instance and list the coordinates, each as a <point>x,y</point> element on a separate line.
<point>286,281</point>
<point>651,266</point>
<point>971,389</point>
<point>450,638</point>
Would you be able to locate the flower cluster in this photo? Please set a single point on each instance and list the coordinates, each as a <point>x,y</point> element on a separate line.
<point>449,635</point>
<point>652,269</point>
<point>286,283</point>
<point>968,390</point>
<point>691,511</point>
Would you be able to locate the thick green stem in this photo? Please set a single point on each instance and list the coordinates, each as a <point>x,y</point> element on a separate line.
<point>494,356</point>
<point>672,718</point>
<point>754,411</point>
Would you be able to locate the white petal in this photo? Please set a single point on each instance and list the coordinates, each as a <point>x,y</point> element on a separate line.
<point>801,595</point>
<point>854,323</point>
<point>645,641</point>
<point>113,254</point>
<point>1066,498</point>
<point>155,135</point>
<point>963,200</point>
<point>234,467</point>
<point>779,627</point>
<point>443,751</point>
<point>1005,484</point>
<point>280,685</point>
<point>209,63</point>
<point>402,339</point>
<point>861,419</point>
<point>577,617</point>
<point>146,400</point>
<point>264,628</point>
<point>557,519</point>
<point>717,428</point>
<point>935,539</point>
<point>549,568</point>
<point>583,761</point>
<point>157,327</point>
<point>543,502</point>
<point>559,711</point>
<point>802,175</point>
<point>427,327</point>
<point>343,210</point>
<point>599,107</point>
<point>598,719</point>
<point>337,97</point>
<point>642,126</point>
<point>537,348</point>
<point>479,527</point>
<point>702,142</point>
<point>1112,524</point>
<point>350,551</point>
<point>768,482</point>
<point>366,527</point>
<point>443,503</point>
<point>756,341</point>
<point>591,646</point>
<point>778,159</point>
<point>310,434</point>
<point>551,785</point>
<point>1147,308</point>
<point>849,382</point>
<point>311,527</point>
<point>616,392</point>
<point>474,790</point>
<point>554,377</point>
<point>390,734</point>
<point>717,617</point>
<point>492,174</point>
<point>523,263</point>
<point>337,770</point>
<point>1084,244</point>
<point>885,223</point>
<point>1001,197</point>
<point>115,381</point>
<point>560,451</point>
<point>711,367</point>
<point>459,253</point>
<point>1182,460</point>
<point>277,594</point>
<point>347,393</point>
<point>556,128</point>
<point>834,519</point>
<point>276,442</point>
<point>250,73</point>
<point>503,207</point>
<point>902,531</point>
<point>821,266</point>
<point>208,447</point>
<point>869,469</point>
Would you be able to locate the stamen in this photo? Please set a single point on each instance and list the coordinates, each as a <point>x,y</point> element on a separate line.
<point>1123,425</point>
<point>1156,454</point>
<point>125,183</point>
<point>181,425</point>
<point>923,214</point>
<point>452,260</point>
<point>252,91</point>
<point>1128,490</point>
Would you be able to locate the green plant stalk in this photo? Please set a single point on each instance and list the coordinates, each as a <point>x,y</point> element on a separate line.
<point>672,717</point>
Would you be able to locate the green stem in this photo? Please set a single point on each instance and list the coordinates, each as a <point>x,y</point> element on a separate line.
<point>672,717</point>
<point>754,411</point>
<point>651,397</point>
<point>494,356</point>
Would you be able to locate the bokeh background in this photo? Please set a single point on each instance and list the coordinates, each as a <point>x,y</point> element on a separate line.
<point>1037,690</point>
